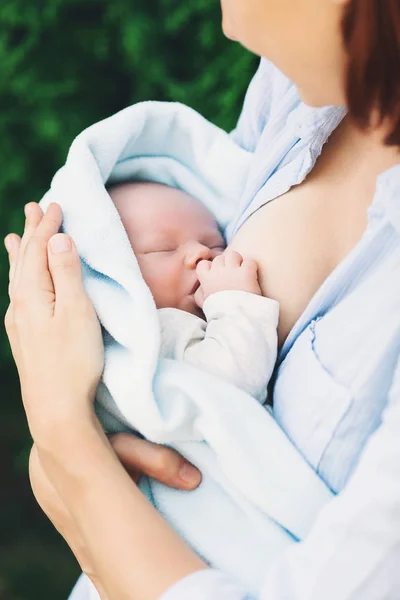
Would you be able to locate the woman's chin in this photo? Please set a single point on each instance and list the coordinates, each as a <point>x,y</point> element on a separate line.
<point>228,30</point>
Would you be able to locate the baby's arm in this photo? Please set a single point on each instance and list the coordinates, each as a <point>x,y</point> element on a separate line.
<point>239,340</point>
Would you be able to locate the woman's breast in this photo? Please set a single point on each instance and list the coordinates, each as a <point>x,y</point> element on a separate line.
<point>294,242</point>
<point>300,237</point>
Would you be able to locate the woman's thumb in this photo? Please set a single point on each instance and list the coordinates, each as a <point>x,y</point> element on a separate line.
<point>65,268</point>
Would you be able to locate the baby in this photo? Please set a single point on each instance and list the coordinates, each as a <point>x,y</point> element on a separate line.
<point>211,309</point>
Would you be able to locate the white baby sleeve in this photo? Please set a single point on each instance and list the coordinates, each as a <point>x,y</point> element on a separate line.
<point>238,342</point>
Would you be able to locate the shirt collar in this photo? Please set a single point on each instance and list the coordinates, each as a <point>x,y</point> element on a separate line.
<point>309,123</point>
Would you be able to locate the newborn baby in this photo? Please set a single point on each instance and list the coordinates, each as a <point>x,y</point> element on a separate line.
<point>211,310</point>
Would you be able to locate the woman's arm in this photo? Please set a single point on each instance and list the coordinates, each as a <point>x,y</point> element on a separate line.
<point>135,553</point>
<point>138,457</point>
<point>54,507</point>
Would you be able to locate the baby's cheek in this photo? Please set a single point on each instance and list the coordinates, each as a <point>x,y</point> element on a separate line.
<point>168,287</point>
<point>152,277</point>
<point>163,275</point>
<point>164,293</point>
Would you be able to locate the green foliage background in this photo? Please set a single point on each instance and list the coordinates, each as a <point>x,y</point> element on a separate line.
<point>65,64</point>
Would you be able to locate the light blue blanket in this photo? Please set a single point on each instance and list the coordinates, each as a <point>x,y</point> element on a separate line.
<point>258,494</point>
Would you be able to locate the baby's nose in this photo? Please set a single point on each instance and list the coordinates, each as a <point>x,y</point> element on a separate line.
<point>195,252</point>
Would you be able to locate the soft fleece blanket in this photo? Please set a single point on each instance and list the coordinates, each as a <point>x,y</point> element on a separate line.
<point>258,494</point>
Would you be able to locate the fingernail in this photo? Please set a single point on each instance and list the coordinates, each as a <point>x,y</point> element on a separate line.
<point>189,473</point>
<point>8,244</point>
<point>27,210</point>
<point>60,243</point>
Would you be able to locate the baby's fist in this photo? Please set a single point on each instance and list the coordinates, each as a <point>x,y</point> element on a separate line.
<point>228,271</point>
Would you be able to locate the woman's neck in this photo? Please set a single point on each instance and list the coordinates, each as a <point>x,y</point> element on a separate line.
<point>368,146</point>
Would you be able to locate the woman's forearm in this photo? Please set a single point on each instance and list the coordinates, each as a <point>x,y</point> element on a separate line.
<point>134,551</point>
<point>55,509</point>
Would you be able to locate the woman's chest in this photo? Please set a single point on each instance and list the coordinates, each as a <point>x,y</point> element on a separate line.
<point>299,238</point>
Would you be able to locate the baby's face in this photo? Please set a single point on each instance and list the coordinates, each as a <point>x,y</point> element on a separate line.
<point>170,233</point>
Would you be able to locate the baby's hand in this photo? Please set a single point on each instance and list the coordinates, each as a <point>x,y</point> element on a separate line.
<point>228,271</point>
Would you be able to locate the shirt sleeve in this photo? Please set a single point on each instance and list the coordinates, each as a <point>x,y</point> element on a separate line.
<point>353,551</point>
<point>237,343</point>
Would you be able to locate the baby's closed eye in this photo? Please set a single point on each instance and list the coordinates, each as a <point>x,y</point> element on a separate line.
<point>160,251</point>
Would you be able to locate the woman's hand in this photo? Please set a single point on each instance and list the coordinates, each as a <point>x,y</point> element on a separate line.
<point>140,457</point>
<point>54,332</point>
<point>56,342</point>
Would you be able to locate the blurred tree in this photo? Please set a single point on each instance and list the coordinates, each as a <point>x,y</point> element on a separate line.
<point>65,64</point>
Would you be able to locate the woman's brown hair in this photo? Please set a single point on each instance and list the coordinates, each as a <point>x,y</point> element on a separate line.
<point>371,30</point>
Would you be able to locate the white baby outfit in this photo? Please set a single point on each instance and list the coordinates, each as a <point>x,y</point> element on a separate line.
<point>237,343</point>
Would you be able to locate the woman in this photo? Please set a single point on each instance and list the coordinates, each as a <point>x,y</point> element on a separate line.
<point>328,249</point>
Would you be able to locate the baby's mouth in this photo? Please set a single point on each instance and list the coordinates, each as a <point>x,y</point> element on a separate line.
<point>195,287</point>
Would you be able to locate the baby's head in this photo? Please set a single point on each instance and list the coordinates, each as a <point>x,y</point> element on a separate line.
<point>170,233</point>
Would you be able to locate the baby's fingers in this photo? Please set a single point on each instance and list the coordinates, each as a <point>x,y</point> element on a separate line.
<point>219,261</point>
<point>233,258</point>
<point>203,268</point>
<point>250,266</point>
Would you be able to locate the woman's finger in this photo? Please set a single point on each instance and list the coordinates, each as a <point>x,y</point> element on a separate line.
<point>34,277</point>
<point>12,243</point>
<point>33,214</point>
<point>66,271</point>
<point>159,462</point>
